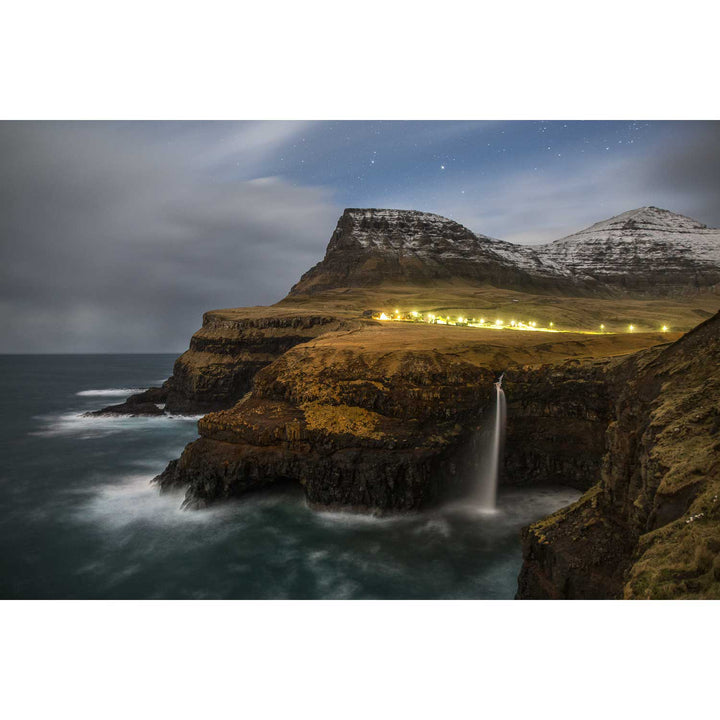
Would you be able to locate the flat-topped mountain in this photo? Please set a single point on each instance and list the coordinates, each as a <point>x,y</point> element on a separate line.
<point>371,246</point>
<point>646,250</point>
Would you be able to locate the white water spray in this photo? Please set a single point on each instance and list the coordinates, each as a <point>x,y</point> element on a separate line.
<point>490,467</point>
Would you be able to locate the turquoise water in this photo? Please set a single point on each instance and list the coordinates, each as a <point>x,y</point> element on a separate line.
<point>79,518</point>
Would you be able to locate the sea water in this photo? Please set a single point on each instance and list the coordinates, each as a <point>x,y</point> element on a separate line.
<point>80,519</point>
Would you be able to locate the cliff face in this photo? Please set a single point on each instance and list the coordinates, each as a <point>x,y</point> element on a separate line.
<point>232,346</point>
<point>382,418</point>
<point>226,354</point>
<point>649,528</point>
<point>369,430</point>
<point>556,422</point>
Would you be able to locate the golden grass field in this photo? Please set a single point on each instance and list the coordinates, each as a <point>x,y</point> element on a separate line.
<point>679,314</point>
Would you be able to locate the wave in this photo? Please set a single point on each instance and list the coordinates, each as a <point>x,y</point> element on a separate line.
<point>110,392</point>
<point>84,427</point>
<point>134,499</point>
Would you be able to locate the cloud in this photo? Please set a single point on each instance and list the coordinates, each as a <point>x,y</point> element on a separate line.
<point>689,171</point>
<point>116,237</point>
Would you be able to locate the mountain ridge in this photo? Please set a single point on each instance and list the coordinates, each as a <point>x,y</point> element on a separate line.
<point>374,245</point>
<point>647,250</point>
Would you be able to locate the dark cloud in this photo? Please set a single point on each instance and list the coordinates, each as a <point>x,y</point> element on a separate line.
<point>116,240</point>
<point>687,168</point>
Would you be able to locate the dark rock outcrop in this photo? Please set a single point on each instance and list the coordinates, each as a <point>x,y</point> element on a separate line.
<point>143,403</point>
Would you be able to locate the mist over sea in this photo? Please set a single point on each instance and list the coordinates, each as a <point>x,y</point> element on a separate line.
<point>80,519</point>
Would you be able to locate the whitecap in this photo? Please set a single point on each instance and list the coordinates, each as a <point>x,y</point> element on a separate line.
<point>110,392</point>
<point>84,426</point>
<point>134,499</point>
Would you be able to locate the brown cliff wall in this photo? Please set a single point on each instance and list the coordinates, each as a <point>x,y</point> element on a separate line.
<point>232,346</point>
<point>651,527</point>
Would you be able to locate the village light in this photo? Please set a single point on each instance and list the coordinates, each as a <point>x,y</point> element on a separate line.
<point>383,316</point>
<point>631,328</point>
<point>551,324</point>
<point>664,328</point>
<point>498,323</point>
<point>602,327</point>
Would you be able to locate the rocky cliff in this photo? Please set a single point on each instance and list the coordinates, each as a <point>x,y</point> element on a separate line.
<point>369,430</point>
<point>557,415</point>
<point>225,355</point>
<point>651,527</point>
<point>233,345</point>
<point>381,418</point>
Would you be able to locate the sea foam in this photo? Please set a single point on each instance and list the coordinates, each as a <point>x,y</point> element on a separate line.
<point>109,392</point>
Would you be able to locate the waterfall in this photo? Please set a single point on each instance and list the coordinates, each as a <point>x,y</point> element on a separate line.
<point>492,453</point>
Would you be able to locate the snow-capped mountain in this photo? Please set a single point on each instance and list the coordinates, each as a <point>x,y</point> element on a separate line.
<point>372,246</point>
<point>646,250</point>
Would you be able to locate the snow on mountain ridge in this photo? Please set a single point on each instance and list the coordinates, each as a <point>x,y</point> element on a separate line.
<point>428,235</point>
<point>640,248</point>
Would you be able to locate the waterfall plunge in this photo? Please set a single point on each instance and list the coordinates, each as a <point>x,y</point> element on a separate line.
<point>492,453</point>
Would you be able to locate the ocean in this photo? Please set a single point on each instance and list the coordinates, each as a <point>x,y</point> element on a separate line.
<point>79,518</point>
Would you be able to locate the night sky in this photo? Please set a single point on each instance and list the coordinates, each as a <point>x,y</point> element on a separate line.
<point>115,237</point>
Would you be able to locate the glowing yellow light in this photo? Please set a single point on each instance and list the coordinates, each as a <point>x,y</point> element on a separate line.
<point>512,322</point>
<point>631,328</point>
<point>664,328</point>
<point>414,313</point>
<point>383,316</point>
<point>551,324</point>
<point>498,322</point>
<point>482,321</point>
<point>602,327</point>
<point>459,319</point>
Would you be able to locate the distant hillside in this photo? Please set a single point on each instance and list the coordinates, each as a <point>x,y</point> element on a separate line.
<point>647,250</point>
